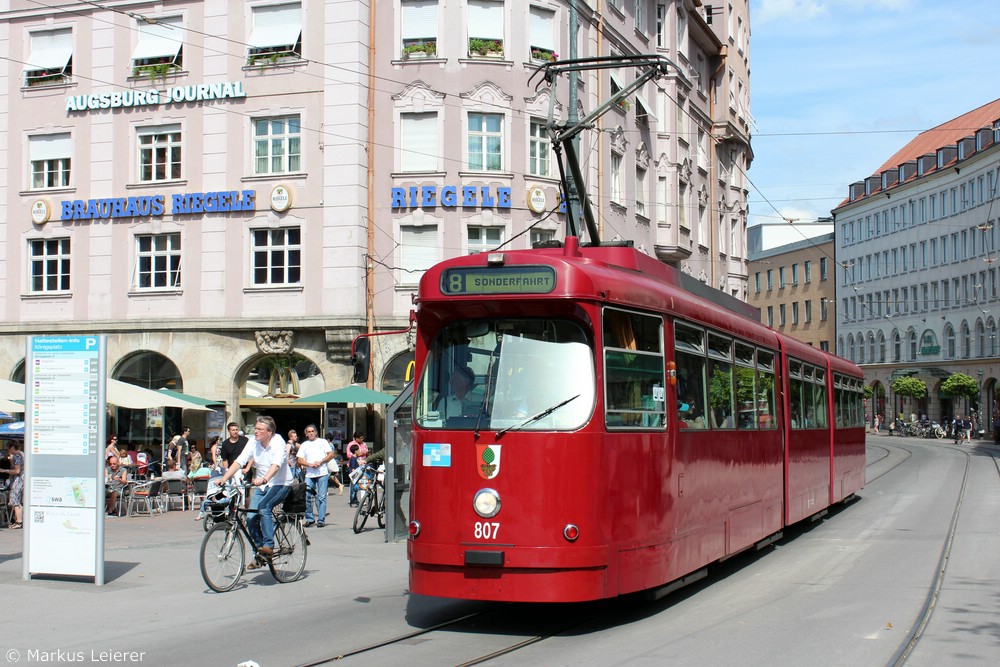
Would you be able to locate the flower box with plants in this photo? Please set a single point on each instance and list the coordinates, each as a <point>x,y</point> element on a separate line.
<point>485,47</point>
<point>154,70</point>
<point>420,50</point>
<point>544,55</point>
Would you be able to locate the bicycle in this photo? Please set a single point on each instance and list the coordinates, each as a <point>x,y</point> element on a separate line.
<point>372,485</point>
<point>214,516</point>
<point>223,549</point>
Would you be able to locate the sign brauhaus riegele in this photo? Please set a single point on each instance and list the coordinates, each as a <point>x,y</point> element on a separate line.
<point>121,99</point>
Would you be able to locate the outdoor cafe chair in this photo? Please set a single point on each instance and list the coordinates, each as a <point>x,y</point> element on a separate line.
<point>177,490</point>
<point>145,495</point>
<point>199,490</point>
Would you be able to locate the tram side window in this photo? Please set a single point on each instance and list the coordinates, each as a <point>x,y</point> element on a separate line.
<point>764,390</point>
<point>689,346</point>
<point>746,412</point>
<point>720,381</point>
<point>633,370</point>
<point>795,393</point>
<point>819,398</point>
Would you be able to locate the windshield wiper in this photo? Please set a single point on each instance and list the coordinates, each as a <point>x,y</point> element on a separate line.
<point>544,413</point>
<point>486,393</point>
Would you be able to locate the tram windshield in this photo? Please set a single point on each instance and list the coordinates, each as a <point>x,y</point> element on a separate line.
<point>504,374</point>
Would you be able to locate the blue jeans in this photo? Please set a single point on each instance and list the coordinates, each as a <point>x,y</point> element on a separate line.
<point>261,522</point>
<point>319,485</point>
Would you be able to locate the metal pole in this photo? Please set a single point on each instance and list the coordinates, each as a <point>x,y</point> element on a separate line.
<point>573,208</point>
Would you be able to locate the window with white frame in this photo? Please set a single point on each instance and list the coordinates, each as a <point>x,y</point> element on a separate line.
<point>661,26</point>
<point>640,15</point>
<point>159,153</point>
<point>485,141</point>
<point>418,251</point>
<point>277,256</point>
<point>50,60</point>
<point>682,205</point>
<point>485,27</point>
<point>640,191</point>
<point>617,4</point>
<point>616,177</point>
<point>539,149</point>
<point>419,144</point>
<point>661,199</point>
<point>541,236</point>
<point>483,239</point>
<point>541,32</point>
<point>49,156</point>
<point>277,33</point>
<point>160,46</point>
<point>277,145</point>
<point>681,31</point>
<point>49,262</point>
<point>158,264</point>
<point>419,27</point>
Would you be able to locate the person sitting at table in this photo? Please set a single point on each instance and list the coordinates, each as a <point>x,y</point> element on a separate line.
<point>173,472</point>
<point>115,479</point>
<point>204,471</point>
<point>123,458</point>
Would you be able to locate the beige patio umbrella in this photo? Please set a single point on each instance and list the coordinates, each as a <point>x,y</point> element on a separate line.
<point>119,393</point>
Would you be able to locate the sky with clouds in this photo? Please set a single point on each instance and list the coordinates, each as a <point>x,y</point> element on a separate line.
<point>838,86</point>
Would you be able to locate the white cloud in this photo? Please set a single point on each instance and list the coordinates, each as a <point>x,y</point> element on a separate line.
<point>786,10</point>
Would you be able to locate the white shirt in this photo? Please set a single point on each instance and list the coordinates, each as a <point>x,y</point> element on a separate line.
<point>314,451</point>
<point>265,457</point>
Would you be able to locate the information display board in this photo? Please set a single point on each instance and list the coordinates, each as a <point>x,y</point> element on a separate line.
<point>65,378</point>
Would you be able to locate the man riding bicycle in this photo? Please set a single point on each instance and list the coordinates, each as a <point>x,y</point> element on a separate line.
<point>271,477</point>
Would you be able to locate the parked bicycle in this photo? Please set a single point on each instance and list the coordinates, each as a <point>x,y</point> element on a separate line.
<point>223,549</point>
<point>371,493</point>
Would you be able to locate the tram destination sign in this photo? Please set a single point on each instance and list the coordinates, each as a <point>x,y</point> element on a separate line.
<point>498,280</point>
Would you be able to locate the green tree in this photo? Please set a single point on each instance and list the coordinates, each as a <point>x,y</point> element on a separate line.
<point>960,385</point>
<point>911,387</point>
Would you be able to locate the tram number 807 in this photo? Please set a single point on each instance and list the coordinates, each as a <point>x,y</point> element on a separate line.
<point>486,530</point>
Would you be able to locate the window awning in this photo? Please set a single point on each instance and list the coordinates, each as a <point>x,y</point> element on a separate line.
<point>648,110</point>
<point>279,25</point>
<point>50,50</point>
<point>162,39</point>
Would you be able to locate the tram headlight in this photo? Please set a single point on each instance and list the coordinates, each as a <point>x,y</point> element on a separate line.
<point>486,503</point>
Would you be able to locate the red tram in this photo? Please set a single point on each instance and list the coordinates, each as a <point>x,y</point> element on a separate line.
<point>585,426</point>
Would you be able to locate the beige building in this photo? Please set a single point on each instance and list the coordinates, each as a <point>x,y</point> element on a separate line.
<point>793,286</point>
<point>231,192</point>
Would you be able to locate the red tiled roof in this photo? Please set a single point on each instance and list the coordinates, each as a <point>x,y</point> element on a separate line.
<point>944,134</point>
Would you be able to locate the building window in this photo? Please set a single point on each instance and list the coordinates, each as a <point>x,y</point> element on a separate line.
<point>277,256</point>
<point>770,279</point>
<point>541,236</point>
<point>823,305</point>
<point>51,59</point>
<point>485,27</point>
<point>770,316</point>
<point>482,239</point>
<point>795,274</point>
<point>418,251</point>
<point>50,161</point>
<point>661,26</point>
<point>159,261</point>
<point>418,142</point>
<point>781,277</point>
<point>756,282</point>
<point>640,15</point>
<point>277,33</point>
<point>795,312</point>
<point>539,150</point>
<point>485,141</point>
<point>616,177</point>
<point>419,28</point>
<point>277,145</point>
<point>640,191</point>
<point>159,154</point>
<point>809,311</point>
<point>49,262</point>
<point>822,268</point>
<point>159,50</point>
<point>807,267</point>
<point>541,31</point>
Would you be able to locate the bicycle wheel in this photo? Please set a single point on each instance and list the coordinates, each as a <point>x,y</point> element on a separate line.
<point>381,508</point>
<point>361,514</point>
<point>222,557</point>
<point>289,559</point>
<point>208,521</point>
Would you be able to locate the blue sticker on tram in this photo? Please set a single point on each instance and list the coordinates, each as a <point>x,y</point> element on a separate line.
<point>437,455</point>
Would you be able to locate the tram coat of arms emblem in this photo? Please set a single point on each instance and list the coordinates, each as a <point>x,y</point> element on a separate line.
<point>488,460</point>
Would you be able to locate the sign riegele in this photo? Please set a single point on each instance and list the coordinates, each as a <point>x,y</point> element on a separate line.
<point>498,280</point>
